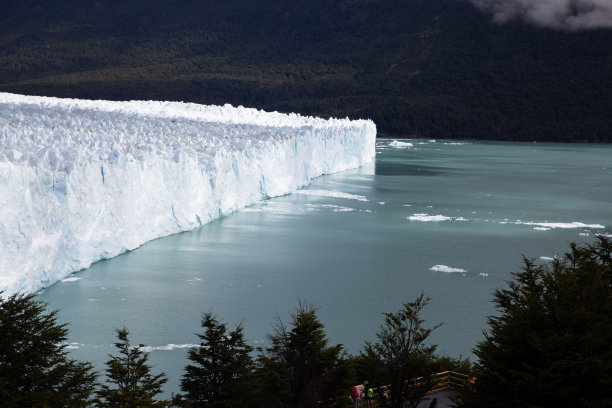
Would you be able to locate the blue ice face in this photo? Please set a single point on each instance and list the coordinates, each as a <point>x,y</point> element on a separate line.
<point>86,180</point>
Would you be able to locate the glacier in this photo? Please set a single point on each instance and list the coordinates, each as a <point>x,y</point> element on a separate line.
<point>85,180</point>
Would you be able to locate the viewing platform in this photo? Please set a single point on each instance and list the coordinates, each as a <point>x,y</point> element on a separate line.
<point>445,390</point>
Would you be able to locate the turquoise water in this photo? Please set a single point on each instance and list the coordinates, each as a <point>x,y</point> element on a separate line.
<point>450,219</point>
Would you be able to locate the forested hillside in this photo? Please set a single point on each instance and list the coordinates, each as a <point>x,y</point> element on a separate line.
<point>427,68</point>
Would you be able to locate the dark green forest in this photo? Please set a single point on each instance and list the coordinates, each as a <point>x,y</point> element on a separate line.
<point>418,68</point>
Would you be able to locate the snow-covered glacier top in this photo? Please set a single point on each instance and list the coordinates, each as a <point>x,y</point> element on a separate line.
<point>85,180</point>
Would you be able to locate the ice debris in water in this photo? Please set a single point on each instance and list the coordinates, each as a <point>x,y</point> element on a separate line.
<point>446,269</point>
<point>85,180</point>
<point>400,145</point>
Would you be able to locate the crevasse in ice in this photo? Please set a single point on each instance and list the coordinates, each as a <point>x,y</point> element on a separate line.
<point>85,180</point>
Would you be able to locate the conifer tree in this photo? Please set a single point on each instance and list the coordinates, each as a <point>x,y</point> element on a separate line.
<point>34,366</point>
<point>401,355</point>
<point>220,368</point>
<point>130,373</point>
<point>298,368</point>
<point>549,346</point>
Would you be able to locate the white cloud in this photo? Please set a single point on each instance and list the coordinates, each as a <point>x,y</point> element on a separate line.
<point>559,14</point>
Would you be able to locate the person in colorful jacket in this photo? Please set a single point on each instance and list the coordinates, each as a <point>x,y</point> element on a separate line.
<point>355,396</point>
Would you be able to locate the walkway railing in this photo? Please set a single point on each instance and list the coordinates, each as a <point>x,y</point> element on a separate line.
<point>445,380</point>
<point>450,380</point>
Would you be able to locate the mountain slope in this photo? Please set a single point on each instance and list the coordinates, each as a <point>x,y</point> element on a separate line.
<point>429,68</point>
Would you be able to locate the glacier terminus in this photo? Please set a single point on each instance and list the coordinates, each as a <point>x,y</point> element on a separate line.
<point>84,180</point>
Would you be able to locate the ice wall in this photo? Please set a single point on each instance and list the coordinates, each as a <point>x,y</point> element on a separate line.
<point>86,180</point>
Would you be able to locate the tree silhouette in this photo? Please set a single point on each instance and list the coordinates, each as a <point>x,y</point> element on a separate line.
<point>298,368</point>
<point>401,354</point>
<point>220,368</point>
<point>550,344</point>
<point>35,370</point>
<point>130,373</point>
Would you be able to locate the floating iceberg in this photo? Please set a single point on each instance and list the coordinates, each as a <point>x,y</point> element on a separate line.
<point>86,180</point>
<point>446,269</point>
<point>400,145</point>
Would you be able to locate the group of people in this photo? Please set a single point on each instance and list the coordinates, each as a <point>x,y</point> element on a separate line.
<point>367,393</point>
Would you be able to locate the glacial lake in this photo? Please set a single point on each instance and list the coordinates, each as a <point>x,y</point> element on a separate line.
<point>450,219</point>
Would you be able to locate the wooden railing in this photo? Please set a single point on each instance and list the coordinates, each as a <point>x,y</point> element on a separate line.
<point>450,380</point>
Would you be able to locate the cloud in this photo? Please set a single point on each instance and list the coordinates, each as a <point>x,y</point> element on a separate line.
<point>558,14</point>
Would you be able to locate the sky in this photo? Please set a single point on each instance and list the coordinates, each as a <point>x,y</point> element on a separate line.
<point>557,14</point>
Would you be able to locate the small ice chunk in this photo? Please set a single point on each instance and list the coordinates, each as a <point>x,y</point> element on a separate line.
<point>400,145</point>
<point>446,269</point>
